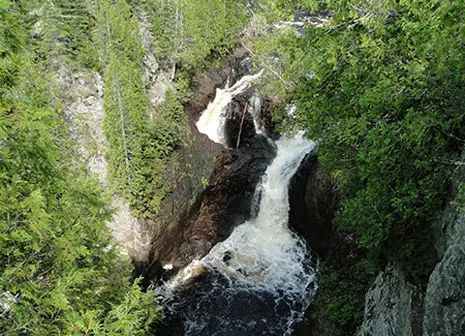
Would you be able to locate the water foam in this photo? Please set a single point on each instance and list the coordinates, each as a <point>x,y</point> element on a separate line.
<point>260,279</point>
<point>263,252</point>
<point>212,120</point>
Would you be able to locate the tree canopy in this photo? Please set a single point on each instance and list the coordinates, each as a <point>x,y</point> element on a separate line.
<point>59,271</point>
<point>380,84</point>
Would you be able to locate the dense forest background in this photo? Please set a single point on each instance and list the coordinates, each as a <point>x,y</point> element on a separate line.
<point>380,84</point>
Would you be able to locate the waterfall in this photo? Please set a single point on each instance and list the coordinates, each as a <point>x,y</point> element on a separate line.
<point>212,120</point>
<point>263,252</point>
<point>255,103</point>
<point>260,279</point>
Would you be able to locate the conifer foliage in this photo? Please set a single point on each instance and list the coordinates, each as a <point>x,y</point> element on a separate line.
<point>59,274</point>
<point>381,85</point>
<point>188,31</point>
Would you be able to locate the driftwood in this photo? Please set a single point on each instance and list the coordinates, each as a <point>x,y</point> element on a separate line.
<point>240,128</point>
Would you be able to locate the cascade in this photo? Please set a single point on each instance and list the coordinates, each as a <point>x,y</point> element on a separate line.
<point>263,252</point>
<point>255,103</point>
<point>212,120</point>
<point>260,279</point>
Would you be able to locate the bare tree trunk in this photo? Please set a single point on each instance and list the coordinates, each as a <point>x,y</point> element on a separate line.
<point>123,127</point>
<point>240,128</point>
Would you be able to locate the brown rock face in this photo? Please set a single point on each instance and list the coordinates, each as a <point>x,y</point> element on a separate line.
<point>225,203</point>
<point>205,83</point>
<point>196,215</point>
<point>313,204</point>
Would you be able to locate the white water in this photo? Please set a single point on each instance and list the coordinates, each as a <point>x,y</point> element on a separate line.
<point>262,257</point>
<point>212,120</point>
<point>255,103</point>
<point>262,264</point>
<point>263,252</point>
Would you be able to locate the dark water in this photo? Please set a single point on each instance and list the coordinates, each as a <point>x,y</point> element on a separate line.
<point>260,279</point>
<point>217,306</point>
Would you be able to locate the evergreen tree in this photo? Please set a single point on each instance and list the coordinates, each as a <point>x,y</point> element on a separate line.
<point>59,273</point>
<point>381,85</point>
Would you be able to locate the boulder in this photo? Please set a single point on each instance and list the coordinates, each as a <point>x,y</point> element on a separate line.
<point>393,307</point>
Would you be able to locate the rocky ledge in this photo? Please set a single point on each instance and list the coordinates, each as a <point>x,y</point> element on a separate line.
<point>216,195</point>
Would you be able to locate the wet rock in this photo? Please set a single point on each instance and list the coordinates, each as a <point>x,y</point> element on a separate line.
<point>205,83</point>
<point>239,125</point>
<point>313,204</point>
<point>193,217</point>
<point>248,114</point>
<point>230,194</point>
<point>189,170</point>
<point>227,201</point>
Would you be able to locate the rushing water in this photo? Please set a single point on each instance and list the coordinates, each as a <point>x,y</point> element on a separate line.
<point>212,120</point>
<point>260,279</point>
<point>263,252</point>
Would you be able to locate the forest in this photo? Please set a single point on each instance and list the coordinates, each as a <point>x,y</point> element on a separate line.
<point>379,84</point>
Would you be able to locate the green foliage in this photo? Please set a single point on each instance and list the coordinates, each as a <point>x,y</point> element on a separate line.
<point>382,88</point>
<point>340,297</point>
<point>187,31</point>
<point>61,29</point>
<point>204,182</point>
<point>53,234</point>
<point>275,10</point>
<point>381,85</point>
<point>343,280</point>
<point>140,140</point>
<point>459,202</point>
<point>56,258</point>
<point>68,25</point>
<point>12,35</point>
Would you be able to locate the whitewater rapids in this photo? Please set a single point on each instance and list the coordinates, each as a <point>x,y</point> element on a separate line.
<point>212,121</point>
<point>260,279</point>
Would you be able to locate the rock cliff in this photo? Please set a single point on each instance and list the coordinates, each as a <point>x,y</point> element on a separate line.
<point>396,307</point>
<point>213,186</point>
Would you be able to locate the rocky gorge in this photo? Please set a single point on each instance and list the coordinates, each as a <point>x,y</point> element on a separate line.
<point>229,199</point>
<point>232,168</point>
<point>217,195</point>
<point>393,305</point>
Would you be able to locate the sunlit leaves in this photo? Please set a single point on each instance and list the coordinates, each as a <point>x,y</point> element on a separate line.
<point>187,31</point>
<point>141,139</point>
<point>384,99</point>
<point>55,259</point>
